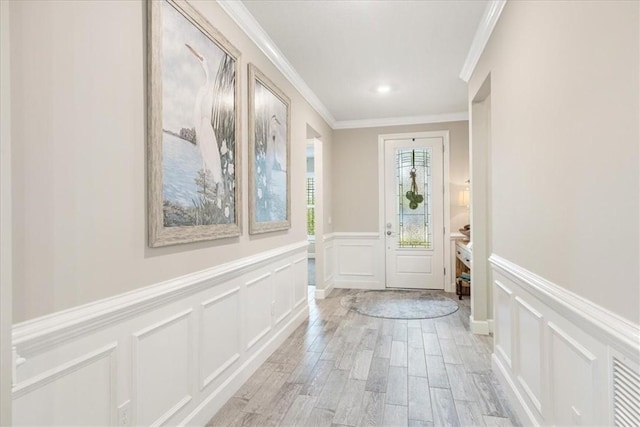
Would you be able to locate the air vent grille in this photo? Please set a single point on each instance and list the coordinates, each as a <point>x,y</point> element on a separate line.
<point>626,395</point>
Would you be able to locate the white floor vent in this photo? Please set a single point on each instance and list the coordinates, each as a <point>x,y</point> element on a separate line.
<point>626,395</point>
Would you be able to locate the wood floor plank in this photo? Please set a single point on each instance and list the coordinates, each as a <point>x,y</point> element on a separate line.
<point>302,372</point>
<point>461,385</point>
<point>420,423</point>
<point>413,323</point>
<point>255,381</point>
<point>251,419</point>
<point>283,399</point>
<point>372,409</point>
<point>497,421</point>
<point>431,344</point>
<point>469,413</point>
<point>450,351</point>
<point>436,372</point>
<point>442,329</point>
<point>416,361</point>
<point>419,400</point>
<point>334,350</point>
<point>473,361</point>
<point>349,410</point>
<point>395,416</point>
<point>460,336</point>
<point>361,365</point>
<point>349,355</point>
<point>399,354</point>
<point>400,330</point>
<point>299,411</point>
<point>378,374</point>
<point>229,412</point>
<point>332,390</point>
<point>319,417</point>
<point>369,338</point>
<point>414,338</point>
<point>444,410</point>
<point>387,327</point>
<point>317,378</point>
<point>397,386</point>
<point>428,326</point>
<point>383,346</point>
<point>261,401</point>
<point>488,399</point>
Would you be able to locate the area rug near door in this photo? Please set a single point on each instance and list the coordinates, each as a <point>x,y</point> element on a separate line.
<point>400,304</point>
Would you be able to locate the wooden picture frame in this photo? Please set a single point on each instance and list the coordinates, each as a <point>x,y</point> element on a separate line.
<point>193,149</point>
<point>269,155</point>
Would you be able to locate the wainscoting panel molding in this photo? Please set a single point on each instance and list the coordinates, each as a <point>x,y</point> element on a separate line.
<point>359,261</point>
<point>168,354</point>
<point>219,323</point>
<point>65,386</point>
<point>300,290</point>
<point>555,351</point>
<point>328,268</point>
<point>156,364</point>
<point>259,315</point>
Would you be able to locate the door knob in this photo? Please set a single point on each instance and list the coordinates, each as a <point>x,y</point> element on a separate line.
<point>389,233</point>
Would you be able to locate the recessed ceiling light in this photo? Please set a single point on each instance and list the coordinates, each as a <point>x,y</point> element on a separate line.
<point>383,89</point>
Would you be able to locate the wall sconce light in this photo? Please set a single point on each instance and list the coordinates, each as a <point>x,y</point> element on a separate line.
<point>463,196</point>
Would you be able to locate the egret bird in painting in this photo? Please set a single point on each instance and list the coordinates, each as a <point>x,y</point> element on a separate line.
<point>271,156</point>
<point>205,137</point>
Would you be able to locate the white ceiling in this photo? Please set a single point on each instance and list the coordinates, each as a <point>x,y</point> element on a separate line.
<point>344,49</point>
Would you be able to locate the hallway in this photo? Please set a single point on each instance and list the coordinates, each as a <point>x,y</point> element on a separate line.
<point>342,368</point>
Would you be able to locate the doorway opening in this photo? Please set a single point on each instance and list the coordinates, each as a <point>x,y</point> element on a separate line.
<point>311,211</point>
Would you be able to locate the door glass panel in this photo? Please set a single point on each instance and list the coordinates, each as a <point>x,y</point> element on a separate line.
<point>414,202</point>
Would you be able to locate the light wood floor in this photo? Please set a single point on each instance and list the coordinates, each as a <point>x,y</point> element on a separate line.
<point>341,368</point>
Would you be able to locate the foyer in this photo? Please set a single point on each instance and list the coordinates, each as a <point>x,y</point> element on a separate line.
<point>113,315</point>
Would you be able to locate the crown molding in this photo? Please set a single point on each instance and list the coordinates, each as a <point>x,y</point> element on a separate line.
<point>247,23</point>
<point>402,121</point>
<point>485,28</point>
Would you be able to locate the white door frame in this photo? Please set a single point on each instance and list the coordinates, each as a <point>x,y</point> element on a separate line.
<point>444,134</point>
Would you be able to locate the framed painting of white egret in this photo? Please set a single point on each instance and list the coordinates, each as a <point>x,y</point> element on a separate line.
<point>269,163</point>
<point>193,128</point>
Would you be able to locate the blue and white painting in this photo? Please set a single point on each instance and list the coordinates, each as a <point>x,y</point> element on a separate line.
<point>270,156</point>
<point>198,126</point>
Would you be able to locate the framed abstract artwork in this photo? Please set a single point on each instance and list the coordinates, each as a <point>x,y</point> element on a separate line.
<point>269,155</point>
<point>193,128</point>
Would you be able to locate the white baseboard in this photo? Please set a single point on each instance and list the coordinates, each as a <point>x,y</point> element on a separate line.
<point>480,327</point>
<point>515,398</point>
<point>324,293</point>
<point>189,343</point>
<point>555,350</point>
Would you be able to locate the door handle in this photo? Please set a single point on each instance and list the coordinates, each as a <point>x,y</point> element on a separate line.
<point>389,233</point>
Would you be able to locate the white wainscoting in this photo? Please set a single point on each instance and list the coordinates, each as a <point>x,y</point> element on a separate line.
<point>324,281</point>
<point>358,260</point>
<point>168,354</point>
<point>554,350</point>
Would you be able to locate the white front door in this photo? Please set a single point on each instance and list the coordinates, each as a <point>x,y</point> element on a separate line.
<point>414,213</point>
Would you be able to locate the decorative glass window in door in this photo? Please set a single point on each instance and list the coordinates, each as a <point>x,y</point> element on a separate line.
<point>311,206</point>
<point>413,172</point>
